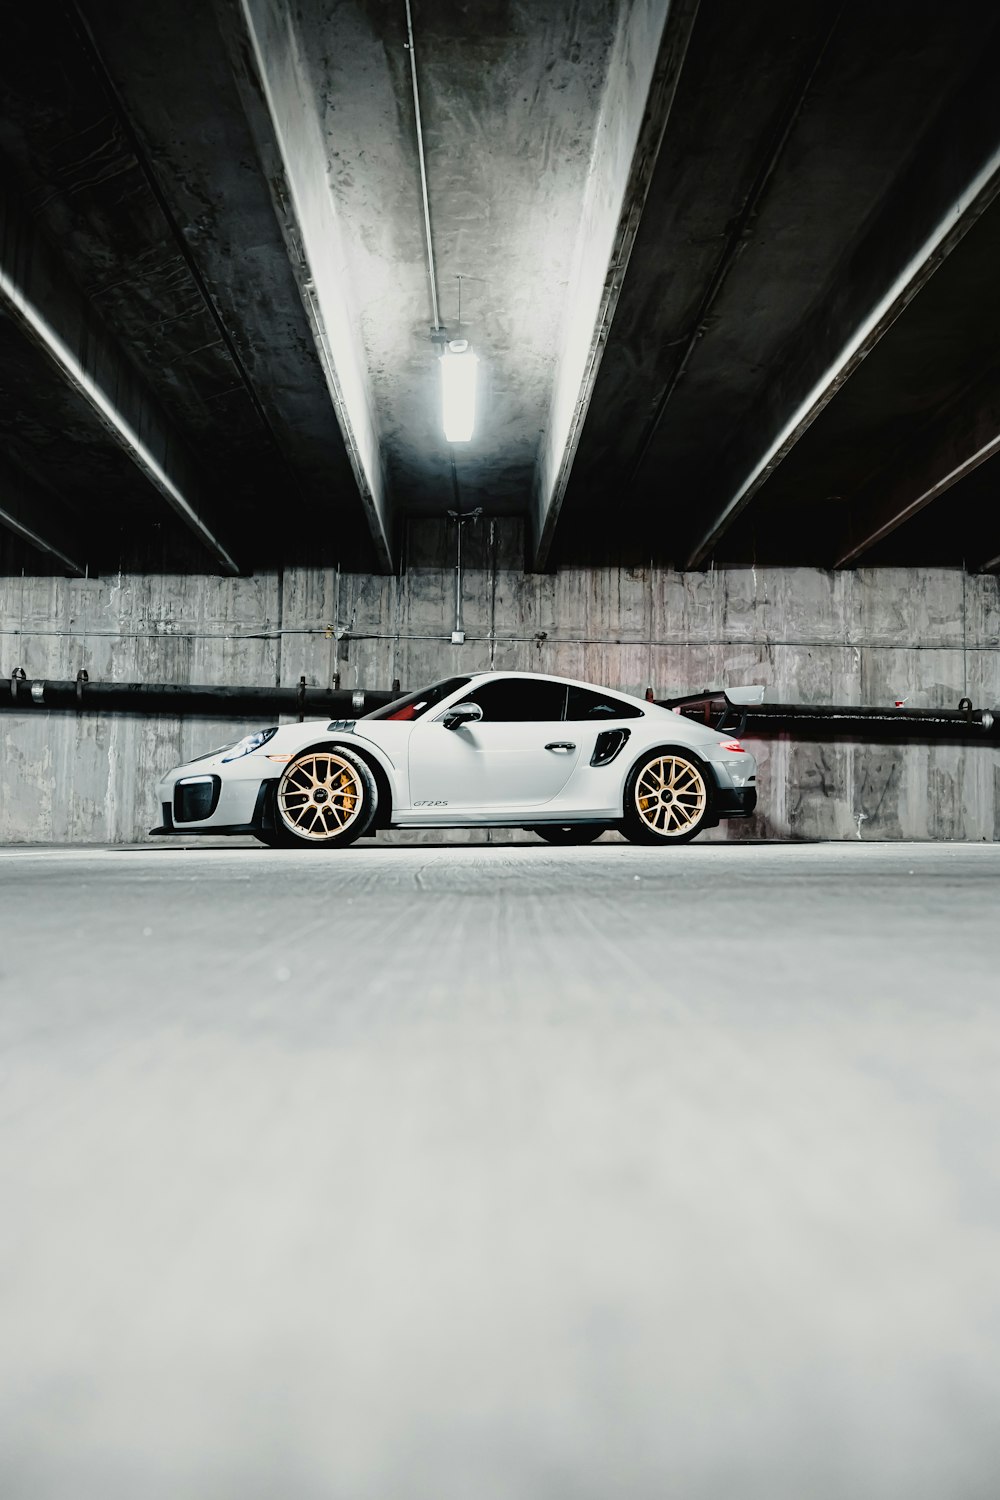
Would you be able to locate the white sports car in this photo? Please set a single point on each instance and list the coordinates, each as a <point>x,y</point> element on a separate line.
<point>566,760</point>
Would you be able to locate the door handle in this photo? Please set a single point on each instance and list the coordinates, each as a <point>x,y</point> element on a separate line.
<point>561,745</point>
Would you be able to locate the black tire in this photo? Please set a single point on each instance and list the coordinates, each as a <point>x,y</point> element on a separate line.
<point>568,833</point>
<point>325,799</point>
<point>271,837</point>
<point>669,798</point>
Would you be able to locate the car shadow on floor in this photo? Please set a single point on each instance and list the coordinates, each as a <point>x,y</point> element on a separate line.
<point>209,846</point>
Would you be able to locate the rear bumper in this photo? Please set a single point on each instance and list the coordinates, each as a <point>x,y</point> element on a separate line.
<point>735,801</point>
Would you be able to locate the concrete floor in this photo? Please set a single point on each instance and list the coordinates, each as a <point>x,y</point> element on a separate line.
<point>498,1173</point>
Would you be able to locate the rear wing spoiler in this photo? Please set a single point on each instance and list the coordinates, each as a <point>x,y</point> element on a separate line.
<point>725,709</point>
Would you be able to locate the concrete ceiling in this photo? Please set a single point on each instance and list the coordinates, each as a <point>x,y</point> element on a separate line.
<point>729,270</point>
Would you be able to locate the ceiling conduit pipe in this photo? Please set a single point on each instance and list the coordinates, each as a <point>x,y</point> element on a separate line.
<point>458,634</point>
<point>431,269</point>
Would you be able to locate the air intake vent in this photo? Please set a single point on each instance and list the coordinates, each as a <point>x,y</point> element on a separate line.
<point>608,745</point>
<point>341,723</point>
<point>196,798</point>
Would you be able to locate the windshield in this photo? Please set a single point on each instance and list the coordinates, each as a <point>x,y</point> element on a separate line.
<point>414,704</point>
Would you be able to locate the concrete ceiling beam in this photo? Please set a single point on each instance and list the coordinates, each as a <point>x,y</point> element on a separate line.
<point>949,183</point>
<point>291,143</point>
<point>26,510</point>
<point>643,74</point>
<point>42,298</point>
<point>966,436</point>
<point>62,323</point>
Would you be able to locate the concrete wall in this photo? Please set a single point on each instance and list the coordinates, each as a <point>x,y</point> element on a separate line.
<point>930,637</point>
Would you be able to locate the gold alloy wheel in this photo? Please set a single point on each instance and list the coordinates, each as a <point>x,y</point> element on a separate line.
<point>671,796</point>
<point>319,795</point>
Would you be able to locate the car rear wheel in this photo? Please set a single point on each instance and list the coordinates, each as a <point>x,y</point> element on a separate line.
<point>668,799</point>
<point>324,799</point>
<point>568,833</point>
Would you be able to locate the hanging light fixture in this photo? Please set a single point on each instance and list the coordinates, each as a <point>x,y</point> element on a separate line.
<point>458,363</point>
<point>459,366</point>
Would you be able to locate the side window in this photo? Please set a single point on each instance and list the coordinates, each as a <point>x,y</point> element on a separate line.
<point>520,700</point>
<point>415,704</point>
<point>586,705</point>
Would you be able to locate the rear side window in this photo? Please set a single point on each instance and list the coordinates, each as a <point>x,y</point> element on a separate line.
<point>520,700</point>
<point>582,704</point>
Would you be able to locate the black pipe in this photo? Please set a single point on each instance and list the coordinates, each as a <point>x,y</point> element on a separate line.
<point>822,722</point>
<point>811,722</point>
<point>219,702</point>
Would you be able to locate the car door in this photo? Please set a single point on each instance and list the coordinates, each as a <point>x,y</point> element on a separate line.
<point>518,756</point>
<point>602,726</point>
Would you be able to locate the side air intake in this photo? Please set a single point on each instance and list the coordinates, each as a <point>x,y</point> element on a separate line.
<point>609,742</point>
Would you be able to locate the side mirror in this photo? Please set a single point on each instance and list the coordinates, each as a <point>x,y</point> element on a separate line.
<point>462,713</point>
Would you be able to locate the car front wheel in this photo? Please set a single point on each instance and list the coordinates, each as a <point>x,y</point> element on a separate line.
<point>668,799</point>
<point>324,799</point>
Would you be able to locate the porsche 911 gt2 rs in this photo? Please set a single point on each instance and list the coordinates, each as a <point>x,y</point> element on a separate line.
<point>564,759</point>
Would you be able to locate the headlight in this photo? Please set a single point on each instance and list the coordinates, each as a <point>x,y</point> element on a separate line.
<point>250,743</point>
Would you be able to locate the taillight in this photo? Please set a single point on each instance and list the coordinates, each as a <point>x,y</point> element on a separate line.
<point>734,746</point>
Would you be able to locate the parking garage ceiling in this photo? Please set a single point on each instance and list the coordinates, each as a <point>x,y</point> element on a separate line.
<point>729,271</point>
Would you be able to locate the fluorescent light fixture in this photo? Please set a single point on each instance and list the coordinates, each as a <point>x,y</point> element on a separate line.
<point>458,391</point>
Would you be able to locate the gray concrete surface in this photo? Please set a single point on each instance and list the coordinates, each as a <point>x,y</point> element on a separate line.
<point>430,1173</point>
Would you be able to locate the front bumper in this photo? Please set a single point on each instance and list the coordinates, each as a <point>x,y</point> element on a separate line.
<point>242,806</point>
